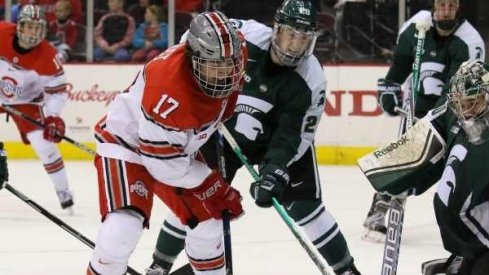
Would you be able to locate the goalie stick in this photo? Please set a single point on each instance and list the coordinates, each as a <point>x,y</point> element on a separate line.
<point>285,217</point>
<point>395,220</point>
<point>33,121</point>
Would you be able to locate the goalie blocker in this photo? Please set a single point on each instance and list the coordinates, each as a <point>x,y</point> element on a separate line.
<point>393,168</point>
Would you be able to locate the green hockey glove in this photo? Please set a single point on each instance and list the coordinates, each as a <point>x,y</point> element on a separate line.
<point>389,96</point>
<point>271,185</point>
<point>3,166</point>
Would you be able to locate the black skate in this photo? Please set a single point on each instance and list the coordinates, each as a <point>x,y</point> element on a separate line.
<point>66,201</point>
<point>374,224</point>
<point>352,270</point>
<point>156,269</point>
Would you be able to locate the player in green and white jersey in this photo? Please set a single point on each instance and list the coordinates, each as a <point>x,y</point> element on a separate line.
<point>461,201</point>
<point>274,123</point>
<point>450,41</point>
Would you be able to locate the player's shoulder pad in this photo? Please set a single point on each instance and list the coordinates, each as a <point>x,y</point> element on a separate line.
<point>472,38</point>
<point>313,74</point>
<point>254,32</point>
<point>6,25</point>
<point>421,16</point>
<point>51,63</point>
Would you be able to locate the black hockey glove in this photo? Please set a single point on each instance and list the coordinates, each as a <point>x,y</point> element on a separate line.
<point>3,166</point>
<point>389,96</point>
<point>272,185</point>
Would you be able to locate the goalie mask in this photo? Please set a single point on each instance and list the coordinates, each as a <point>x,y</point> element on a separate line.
<point>31,26</point>
<point>294,32</point>
<point>469,99</point>
<point>215,53</point>
<point>446,15</point>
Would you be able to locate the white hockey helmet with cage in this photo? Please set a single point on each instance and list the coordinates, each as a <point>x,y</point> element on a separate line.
<point>468,98</point>
<point>31,26</point>
<point>216,54</point>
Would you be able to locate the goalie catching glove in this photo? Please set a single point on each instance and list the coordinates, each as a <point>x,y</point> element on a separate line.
<point>389,96</point>
<point>54,129</point>
<point>395,168</point>
<point>271,185</point>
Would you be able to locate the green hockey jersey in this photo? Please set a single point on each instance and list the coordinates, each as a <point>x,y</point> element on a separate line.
<point>279,109</point>
<point>440,59</point>
<point>462,197</point>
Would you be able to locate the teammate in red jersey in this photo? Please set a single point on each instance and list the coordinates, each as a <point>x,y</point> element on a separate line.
<point>32,81</point>
<point>148,142</point>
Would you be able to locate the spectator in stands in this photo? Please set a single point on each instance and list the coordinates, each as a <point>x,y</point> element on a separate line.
<point>151,37</point>
<point>114,32</point>
<point>138,11</point>
<point>193,6</point>
<point>2,9</point>
<point>63,31</point>
<point>14,10</point>
<point>49,7</point>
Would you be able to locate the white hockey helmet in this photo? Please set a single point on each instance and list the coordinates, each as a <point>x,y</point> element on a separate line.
<point>468,98</point>
<point>31,26</point>
<point>216,54</point>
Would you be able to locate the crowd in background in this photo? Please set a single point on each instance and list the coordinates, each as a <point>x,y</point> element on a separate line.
<point>137,30</point>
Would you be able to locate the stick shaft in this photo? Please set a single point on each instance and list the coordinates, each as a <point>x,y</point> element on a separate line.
<point>58,221</point>
<point>16,112</point>
<point>285,217</point>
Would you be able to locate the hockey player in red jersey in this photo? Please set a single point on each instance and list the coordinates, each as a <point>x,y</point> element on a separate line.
<point>32,81</point>
<point>148,142</point>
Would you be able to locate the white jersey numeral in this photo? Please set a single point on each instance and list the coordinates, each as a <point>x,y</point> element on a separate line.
<point>171,105</point>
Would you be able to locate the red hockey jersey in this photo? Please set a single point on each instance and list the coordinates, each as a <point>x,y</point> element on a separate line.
<point>162,121</point>
<point>35,76</point>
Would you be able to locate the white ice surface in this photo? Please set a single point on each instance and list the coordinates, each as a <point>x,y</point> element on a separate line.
<point>262,243</point>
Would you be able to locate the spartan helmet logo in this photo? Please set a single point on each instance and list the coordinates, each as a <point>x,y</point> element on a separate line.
<point>294,31</point>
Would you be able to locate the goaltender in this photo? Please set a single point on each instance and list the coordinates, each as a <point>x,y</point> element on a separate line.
<point>449,148</point>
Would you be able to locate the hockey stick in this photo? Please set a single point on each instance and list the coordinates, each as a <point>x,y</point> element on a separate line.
<point>59,222</point>
<point>13,111</point>
<point>185,269</point>
<point>395,221</point>
<point>285,217</point>
<point>221,162</point>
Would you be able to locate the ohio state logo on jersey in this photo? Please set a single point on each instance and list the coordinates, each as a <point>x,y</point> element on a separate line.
<point>139,188</point>
<point>9,88</point>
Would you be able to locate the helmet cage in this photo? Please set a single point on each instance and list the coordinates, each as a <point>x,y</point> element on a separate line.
<point>31,17</point>
<point>216,54</point>
<point>218,78</point>
<point>468,98</point>
<point>292,57</point>
<point>447,24</point>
